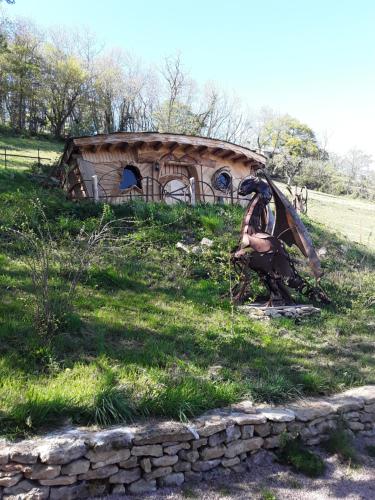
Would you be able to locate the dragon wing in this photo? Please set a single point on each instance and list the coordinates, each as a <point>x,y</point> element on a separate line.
<point>289,228</point>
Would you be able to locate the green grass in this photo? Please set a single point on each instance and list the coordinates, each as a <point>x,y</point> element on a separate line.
<point>294,453</point>
<point>26,146</point>
<point>153,332</point>
<point>341,443</point>
<point>349,217</point>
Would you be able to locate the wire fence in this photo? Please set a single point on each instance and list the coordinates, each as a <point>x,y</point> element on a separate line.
<point>14,158</point>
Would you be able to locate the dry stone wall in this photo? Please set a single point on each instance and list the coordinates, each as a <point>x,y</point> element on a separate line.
<point>82,463</point>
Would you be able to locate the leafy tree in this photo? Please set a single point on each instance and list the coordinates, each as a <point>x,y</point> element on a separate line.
<point>288,142</point>
<point>63,83</point>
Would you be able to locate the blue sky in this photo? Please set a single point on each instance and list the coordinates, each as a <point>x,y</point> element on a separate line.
<point>313,59</point>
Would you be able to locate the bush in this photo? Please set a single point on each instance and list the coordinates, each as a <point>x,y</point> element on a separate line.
<point>342,443</point>
<point>294,453</point>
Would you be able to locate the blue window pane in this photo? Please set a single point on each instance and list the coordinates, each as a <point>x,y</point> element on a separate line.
<point>223,181</point>
<point>129,178</point>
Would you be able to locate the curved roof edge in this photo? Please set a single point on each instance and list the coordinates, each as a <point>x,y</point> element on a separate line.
<point>158,137</point>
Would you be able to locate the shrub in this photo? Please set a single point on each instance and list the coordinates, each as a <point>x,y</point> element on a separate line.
<point>342,443</point>
<point>294,453</point>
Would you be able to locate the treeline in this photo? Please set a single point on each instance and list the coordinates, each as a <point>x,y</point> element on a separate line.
<point>62,82</point>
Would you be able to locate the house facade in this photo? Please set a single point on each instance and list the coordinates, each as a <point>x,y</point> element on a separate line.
<point>156,167</point>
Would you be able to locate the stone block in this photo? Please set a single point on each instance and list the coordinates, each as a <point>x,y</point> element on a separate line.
<point>351,415</point>
<point>182,466</point>
<point>344,404</point>
<point>10,480</point>
<point>243,446</point>
<point>174,479</point>
<point>250,419</point>
<point>205,465</point>
<point>110,439</point>
<point>159,472</point>
<point>295,427</point>
<point>217,438</point>
<point>189,456</point>
<point>19,488</point>
<point>59,481</point>
<point>272,442</point>
<point>229,462</point>
<point>145,463</point>
<point>174,449</point>
<point>262,430</point>
<point>142,486</point>
<point>148,450</point>
<point>60,451</point>
<point>24,453</point>
<point>233,432</point>
<point>4,455</point>
<point>130,463</point>
<point>369,408</point>
<point>278,428</point>
<point>80,466</point>
<point>355,426</point>
<point>211,427</point>
<point>193,477</point>
<point>209,453</point>
<point>126,476</point>
<point>41,471</point>
<point>197,443</point>
<point>239,468</point>
<point>75,492</point>
<point>367,417</point>
<point>311,410</point>
<point>164,461</point>
<point>247,431</point>
<point>103,458</point>
<point>36,493</point>
<point>102,473</point>
<point>278,414</point>
<point>163,432</point>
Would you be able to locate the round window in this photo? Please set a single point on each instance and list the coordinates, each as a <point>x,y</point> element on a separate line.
<point>222,181</point>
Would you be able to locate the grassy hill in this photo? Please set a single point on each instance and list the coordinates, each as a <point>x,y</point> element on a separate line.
<point>152,331</point>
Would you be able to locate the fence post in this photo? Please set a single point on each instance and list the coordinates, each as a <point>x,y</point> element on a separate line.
<point>38,158</point>
<point>5,157</point>
<point>192,190</point>
<point>95,188</point>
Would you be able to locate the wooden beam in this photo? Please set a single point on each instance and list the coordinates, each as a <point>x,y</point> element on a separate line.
<point>157,146</point>
<point>123,146</point>
<point>138,144</point>
<point>238,157</point>
<point>217,151</point>
<point>201,149</point>
<point>227,155</point>
<point>173,146</point>
<point>188,148</point>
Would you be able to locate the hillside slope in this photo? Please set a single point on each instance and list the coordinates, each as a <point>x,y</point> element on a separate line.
<point>152,330</point>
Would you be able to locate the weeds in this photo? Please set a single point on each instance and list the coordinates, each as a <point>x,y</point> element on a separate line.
<point>294,453</point>
<point>342,443</point>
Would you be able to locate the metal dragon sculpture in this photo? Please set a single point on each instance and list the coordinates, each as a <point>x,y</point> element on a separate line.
<point>261,247</point>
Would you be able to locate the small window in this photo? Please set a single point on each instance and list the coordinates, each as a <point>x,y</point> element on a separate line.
<point>222,181</point>
<point>131,178</point>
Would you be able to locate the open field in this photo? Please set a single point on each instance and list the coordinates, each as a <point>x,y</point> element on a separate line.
<point>352,218</point>
<point>153,331</point>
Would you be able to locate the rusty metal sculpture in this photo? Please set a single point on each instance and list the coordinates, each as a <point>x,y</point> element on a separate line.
<point>261,247</point>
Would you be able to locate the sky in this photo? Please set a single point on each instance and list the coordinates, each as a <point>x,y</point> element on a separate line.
<point>312,59</point>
